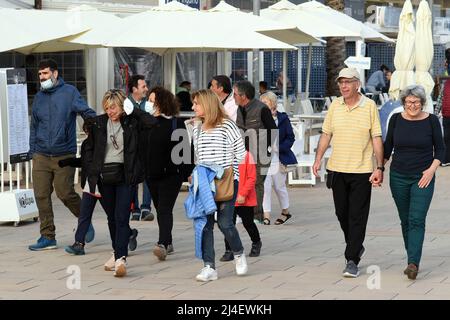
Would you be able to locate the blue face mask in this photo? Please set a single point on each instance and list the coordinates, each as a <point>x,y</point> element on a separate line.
<point>47,84</point>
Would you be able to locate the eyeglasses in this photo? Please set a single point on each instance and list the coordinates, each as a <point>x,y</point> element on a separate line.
<point>346,82</point>
<point>410,103</point>
<point>114,142</point>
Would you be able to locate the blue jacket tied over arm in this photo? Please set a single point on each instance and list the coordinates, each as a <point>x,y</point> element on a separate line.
<point>53,120</point>
<point>200,201</point>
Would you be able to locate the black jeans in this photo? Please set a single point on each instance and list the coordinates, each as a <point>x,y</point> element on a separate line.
<point>164,194</point>
<point>246,214</point>
<point>351,194</point>
<point>446,125</point>
<point>116,201</point>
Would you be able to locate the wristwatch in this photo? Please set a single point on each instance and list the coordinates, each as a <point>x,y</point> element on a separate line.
<point>381,168</point>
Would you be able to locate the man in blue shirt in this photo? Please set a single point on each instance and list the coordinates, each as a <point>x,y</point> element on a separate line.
<point>377,80</point>
<point>53,138</point>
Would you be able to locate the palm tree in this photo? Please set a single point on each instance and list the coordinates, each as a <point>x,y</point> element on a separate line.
<point>335,53</point>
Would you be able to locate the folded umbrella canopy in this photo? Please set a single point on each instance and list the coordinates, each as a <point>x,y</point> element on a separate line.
<point>405,53</point>
<point>24,29</point>
<point>424,50</point>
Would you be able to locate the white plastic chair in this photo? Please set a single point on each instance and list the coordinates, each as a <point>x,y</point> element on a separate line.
<point>303,160</point>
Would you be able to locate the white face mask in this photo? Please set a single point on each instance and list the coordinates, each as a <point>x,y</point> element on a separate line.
<point>47,84</point>
<point>149,107</point>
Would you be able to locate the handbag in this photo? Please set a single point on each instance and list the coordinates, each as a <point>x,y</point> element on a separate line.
<point>225,186</point>
<point>112,173</point>
<point>287,168</point>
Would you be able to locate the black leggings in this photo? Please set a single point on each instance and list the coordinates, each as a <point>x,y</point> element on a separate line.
<point>164,193</point>
<point>247,215</point>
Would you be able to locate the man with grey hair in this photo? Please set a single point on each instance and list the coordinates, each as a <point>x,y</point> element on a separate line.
<point>255,115</point>
<point>353,123</point>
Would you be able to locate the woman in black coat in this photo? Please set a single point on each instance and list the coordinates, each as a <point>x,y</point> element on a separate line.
<point>113,165</point>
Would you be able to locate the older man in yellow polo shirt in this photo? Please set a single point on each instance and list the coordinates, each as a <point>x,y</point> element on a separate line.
<point>353,123</point>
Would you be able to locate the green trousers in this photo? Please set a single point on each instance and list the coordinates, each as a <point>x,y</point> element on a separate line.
<point>412,204</point>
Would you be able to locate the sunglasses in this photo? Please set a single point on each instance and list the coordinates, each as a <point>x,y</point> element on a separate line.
<point>114,142</point>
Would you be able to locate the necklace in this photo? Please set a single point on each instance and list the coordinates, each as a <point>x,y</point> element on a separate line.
<point>113,135</point>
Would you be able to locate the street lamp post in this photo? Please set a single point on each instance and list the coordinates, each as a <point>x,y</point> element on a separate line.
<point>255,69</point>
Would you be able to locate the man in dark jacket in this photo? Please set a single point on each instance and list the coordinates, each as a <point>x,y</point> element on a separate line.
<point>53,138</point>
<point>138,90</point>
<point>253,114</point>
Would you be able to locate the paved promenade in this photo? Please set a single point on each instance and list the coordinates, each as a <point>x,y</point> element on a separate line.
<point>302,259</point>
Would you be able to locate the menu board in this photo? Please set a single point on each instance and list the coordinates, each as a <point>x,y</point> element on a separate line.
<point>18,124</point>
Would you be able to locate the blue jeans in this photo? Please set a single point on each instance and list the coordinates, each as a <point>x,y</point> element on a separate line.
<point>115,201</point>
<point>226,225</point>
<point>146,198</point>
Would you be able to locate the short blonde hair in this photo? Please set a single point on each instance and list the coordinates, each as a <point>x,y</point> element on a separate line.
<point>214,111</point>
<point>271,97</point>
<point>113,97</point>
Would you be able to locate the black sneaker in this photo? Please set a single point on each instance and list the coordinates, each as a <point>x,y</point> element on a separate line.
<point>132,242</point>
<point>351,270</point>
<point>256,249</point>
<point>135,216</point>
<point>77,249</point>
<point>227,256</point>
<point>147,215</point>
<point>170,249</point>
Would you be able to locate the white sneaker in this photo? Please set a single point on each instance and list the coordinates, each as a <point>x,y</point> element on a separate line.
<point>120,268</point>
<point>207,274</point>
<point>110,264</point>
<point>241,264</point>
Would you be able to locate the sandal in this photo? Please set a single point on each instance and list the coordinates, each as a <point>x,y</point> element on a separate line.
<point>266,221</point>
<point>281,221</point>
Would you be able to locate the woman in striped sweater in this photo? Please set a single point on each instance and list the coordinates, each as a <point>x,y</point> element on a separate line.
<point>218,141</point>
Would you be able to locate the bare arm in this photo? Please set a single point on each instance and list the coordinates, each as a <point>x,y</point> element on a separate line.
<point>377,176</point>
<point>322,146</point>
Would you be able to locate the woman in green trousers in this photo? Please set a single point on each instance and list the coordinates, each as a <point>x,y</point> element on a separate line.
<point>415,138</point>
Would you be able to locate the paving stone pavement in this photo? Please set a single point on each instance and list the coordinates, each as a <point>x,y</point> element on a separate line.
<point>302,259</point>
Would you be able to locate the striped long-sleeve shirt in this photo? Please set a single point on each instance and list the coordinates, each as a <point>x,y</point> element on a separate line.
<point>222,145</point>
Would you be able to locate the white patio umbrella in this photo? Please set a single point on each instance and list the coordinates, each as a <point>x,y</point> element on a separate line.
<point>405,54</point>
<point>320,21</point>
<point>424,51</point>
<point>24,28</point>
<point>100,25</point>
<point>322,12</point>
<point>175,27</point>
<point>285,32</point>
<point>291,14</point>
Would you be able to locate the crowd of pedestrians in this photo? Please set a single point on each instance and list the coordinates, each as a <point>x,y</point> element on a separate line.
<point>239,150</point>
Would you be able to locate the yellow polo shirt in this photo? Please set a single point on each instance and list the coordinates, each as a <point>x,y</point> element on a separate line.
<point>352,131</point>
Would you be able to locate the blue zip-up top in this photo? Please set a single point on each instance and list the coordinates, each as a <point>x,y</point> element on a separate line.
<point>200,201</point>
<point>53,120</point>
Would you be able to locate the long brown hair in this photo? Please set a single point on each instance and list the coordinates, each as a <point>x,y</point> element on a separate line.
<point>165,101</point>
<point>214,111</point>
